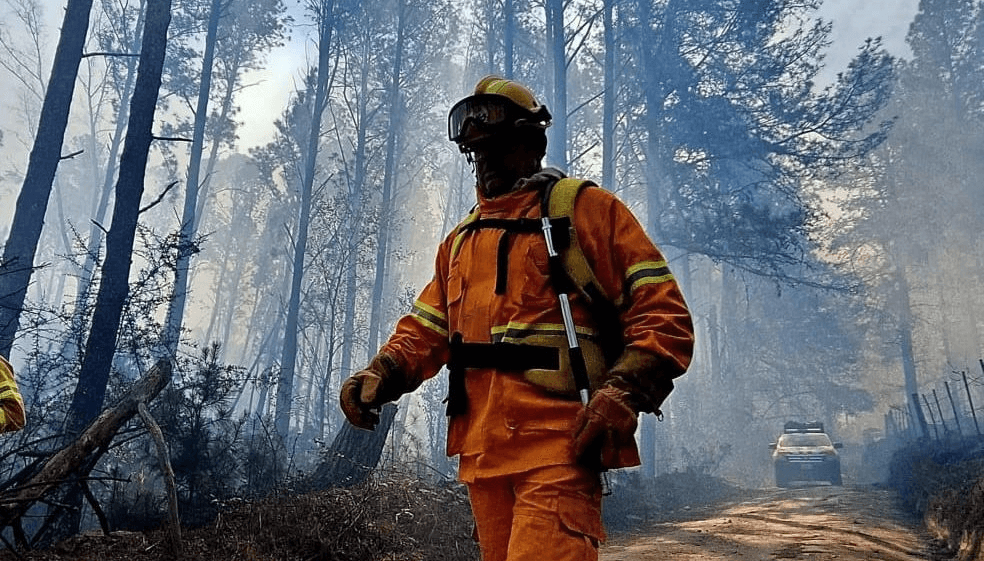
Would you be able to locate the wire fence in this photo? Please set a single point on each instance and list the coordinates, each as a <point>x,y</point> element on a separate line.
<point>948,411</point>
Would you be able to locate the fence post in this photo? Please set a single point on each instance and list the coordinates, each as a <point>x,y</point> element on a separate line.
<point>970,400</point>
<point>940,410</point>
<point>920,416</point>
<point>953,405</point>
<point>932,417</point>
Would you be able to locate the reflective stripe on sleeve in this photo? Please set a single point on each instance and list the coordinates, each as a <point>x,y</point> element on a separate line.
<point>647,272</point>
<point>430,317</point>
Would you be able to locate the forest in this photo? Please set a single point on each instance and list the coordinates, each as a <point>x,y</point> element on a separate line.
<point>825,232</point>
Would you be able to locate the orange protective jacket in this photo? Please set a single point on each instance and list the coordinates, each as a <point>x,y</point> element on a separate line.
<point>512,425</point>
<point>12,414</point>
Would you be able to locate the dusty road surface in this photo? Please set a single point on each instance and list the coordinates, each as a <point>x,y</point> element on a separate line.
<point>804,523</point>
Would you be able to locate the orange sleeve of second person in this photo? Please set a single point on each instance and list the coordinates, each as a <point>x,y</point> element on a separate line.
<point>12,414</point>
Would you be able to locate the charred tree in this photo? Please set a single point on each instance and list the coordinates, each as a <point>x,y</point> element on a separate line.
<point>17,264</point>
<point>90,391</point>
<point>354,453</point>
<point>325,13</point>
<point>114,288</point>
<point>389,179</point>
<point>189,219</point>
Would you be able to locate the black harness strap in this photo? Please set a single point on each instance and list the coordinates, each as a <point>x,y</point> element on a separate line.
<point>502,264</point>
<point>523,225</point>
<point>505,356</point>
<point>561,228</point>
<point>499,356</point>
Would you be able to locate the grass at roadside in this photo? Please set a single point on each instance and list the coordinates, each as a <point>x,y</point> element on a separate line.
<point>943,484</point>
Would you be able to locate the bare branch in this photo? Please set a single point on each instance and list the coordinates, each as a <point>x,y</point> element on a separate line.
<point>172,138</point>
<point>109,53</point>
<point>159,198</point>
<point>100,226</point>
<point>174,525</point>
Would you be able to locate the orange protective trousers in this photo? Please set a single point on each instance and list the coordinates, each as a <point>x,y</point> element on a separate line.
<point>551,513</point>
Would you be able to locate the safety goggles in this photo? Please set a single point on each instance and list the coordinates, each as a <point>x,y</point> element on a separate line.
<point>485,111</point>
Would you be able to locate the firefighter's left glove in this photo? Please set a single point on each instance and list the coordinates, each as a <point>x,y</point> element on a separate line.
<point>365,391</point>
<point>604,431</point>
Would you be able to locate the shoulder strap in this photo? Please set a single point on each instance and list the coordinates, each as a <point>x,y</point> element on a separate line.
<point>558,204</point>
<point>461,228</point>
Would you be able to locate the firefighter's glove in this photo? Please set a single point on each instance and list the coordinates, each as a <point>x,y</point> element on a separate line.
<point>364,392</point>
<point>604,430</point>
<point>359,398</point>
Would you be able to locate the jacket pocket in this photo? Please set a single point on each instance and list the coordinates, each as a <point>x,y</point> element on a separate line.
<point>535,290</point>
<point>455,294</point>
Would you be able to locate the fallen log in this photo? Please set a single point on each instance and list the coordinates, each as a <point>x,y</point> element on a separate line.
<point>96,437</point>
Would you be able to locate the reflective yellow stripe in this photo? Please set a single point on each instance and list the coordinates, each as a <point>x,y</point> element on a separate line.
<point>430,317</point>
<point>10,394</point>
<point>430,325</point>
<point>431,310</point>
<point>460,236</point>
<point>3,417</point>
<point>645,265</point>
<point>647,272</point>
<point>516,331</point>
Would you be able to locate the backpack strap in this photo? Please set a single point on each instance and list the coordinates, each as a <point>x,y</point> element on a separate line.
<point>461,228</point>
<point>558,204</point>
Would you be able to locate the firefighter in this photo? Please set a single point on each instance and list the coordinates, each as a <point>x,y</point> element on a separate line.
<point>12,415</point>
<point>530,453</point>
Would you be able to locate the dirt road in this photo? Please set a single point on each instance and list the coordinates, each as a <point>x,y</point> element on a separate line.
<point>804,523</point>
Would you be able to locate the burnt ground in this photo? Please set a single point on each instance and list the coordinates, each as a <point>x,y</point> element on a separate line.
<point>404,519</point>
<point>397,519</point>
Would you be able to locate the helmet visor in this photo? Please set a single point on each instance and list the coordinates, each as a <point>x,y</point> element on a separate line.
<point>483,111</point>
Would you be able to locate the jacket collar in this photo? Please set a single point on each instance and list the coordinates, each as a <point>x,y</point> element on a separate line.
<point>526,190</point>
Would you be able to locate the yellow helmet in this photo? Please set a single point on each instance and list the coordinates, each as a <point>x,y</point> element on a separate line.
<point>497,104</point>
<point>518,93</point>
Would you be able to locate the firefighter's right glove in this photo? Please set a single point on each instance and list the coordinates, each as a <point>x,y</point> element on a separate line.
<point>359,398</point>
<point>365,391</point>
<point>604,431</point>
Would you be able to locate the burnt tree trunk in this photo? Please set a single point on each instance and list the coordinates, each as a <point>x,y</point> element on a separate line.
<point>288,357</point>
<point>32,202</point>
<point>354,453</point>
<point>90,391</point>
